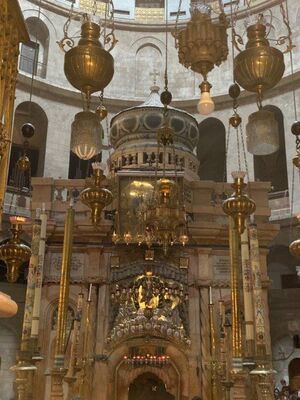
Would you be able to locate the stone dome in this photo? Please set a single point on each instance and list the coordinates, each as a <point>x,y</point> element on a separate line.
<point>142,122</point>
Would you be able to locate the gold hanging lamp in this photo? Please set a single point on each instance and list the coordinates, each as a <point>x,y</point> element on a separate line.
<point>95,196</point>
<point>201,46</point>
<point>259,67</point>
<point>14,253</point>
<point>239,205</point>
<point>88,66</point>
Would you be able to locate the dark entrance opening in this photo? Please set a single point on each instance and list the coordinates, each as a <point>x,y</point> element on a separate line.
<point>148,387</point>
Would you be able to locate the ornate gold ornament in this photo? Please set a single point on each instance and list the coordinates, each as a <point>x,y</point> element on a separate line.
<point>23,163</point>
<point>95,196</point>
<point>259,67</point>
<point>295,248</point>
<point>239,205</point>
<point>14,253</point>
<point>201,46</point>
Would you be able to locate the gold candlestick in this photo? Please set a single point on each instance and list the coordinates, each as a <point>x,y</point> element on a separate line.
<point>235,297</point>
<point>247,294</point>
<point>24,367</point>
<point>58,370</point>
<point>70,378</point>
<point>214,362</point>
<point>38,286</point>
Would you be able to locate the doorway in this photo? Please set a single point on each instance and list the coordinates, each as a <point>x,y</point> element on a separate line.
<point>148,387</point>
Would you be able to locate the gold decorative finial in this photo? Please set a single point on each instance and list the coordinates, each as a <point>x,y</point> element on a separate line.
<point>239,205</point>
<point>95,196</point>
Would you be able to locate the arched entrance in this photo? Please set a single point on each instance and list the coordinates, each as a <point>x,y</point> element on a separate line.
<point>148,386</point>
<point>294,374</point>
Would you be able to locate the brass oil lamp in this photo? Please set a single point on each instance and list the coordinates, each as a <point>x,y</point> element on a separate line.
<point>259,67</point>
<point>95,196</point>
<point>88,66</point>
<point>14,253</point>
<point>239,205</point>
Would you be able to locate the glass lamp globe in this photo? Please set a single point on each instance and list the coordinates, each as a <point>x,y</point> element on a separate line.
<point>262,133</point>
<point>86,135</point>
<point>206,105</point>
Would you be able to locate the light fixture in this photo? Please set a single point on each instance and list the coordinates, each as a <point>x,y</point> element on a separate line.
<point>152,360</point>
<point>239,205</point>
<point>259,67</point>
<point>95,196</point>
<point>14,253</point>
<point>88,66</point>
<point>262,133</point>
<point>86,135</point>
<point>201,46</point>
<point>206,105</point>
<point>164,216</point>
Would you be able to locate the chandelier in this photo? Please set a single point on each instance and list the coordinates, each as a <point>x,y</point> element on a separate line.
<point>165,217</point>
<point>14,253</point>
<point>201,46</point>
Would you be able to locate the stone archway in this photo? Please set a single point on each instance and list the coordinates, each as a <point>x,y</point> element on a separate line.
<point>148,386</point>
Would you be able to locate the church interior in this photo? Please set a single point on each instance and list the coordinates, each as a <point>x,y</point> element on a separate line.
<point>150,200</point>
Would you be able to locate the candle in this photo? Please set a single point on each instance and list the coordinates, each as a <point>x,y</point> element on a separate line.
<point>90,292</point>
<point>210,295</point>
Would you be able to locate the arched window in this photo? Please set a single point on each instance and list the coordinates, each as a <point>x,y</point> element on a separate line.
<point>211,150</point>
<point>34,54</point>
<point>34,114</point>
<point>272,168</point>
<point>148,68</point>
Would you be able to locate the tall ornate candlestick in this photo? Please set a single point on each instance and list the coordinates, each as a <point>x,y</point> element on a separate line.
<point>263,372</point>
<point>38,286</point>
<point>70,378</point>
<point>235,296</point>
<point>214,365</point>
<point>85,361</point>
<point>247,293</point>
<point>24,367</point>
<point>58,370</point>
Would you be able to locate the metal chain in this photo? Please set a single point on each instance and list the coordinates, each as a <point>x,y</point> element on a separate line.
<point>166,61</point>
<point>94,7</point>
<point>226,154</point>
<point>292,204</point>
<point>238,148</point>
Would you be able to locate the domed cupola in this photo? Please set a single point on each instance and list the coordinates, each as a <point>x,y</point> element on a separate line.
<point>133,135</point>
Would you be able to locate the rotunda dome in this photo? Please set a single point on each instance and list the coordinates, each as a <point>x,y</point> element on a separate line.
<point>141,123</point>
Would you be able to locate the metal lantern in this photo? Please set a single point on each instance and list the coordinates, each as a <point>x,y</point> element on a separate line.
<point>259,67</point>
<point>262,133</point>
<point>95,196</point>
<point>86,135</point>
<point>88,67</point>
<point>14,253</point>
<point>239,205</point>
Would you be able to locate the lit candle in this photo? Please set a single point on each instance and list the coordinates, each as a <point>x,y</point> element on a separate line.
<point>90,292</point>
<point>210,296</point>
